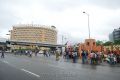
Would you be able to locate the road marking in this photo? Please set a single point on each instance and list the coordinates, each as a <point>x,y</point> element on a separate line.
<point>30,72</point>
<point>6,62</point>
<point>56,66</point>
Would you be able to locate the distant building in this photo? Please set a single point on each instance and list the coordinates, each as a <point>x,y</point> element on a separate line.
<point>111,37</point>
<point>116,34</point>
<point>34,33</point>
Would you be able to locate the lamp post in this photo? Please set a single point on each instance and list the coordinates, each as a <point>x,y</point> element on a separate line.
<point>88,28</point>
<point>88,23</point>
<point>63,39</point>
<point>8,37</point>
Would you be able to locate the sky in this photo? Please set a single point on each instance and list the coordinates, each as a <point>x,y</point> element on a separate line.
<point>66,15</point>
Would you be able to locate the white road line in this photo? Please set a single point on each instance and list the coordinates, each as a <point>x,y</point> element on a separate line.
<point>56,66</point>
<point>30,72</point>
<point>6,62</point>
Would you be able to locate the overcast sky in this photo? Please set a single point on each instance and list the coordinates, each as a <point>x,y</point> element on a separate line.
<point>66,15</point>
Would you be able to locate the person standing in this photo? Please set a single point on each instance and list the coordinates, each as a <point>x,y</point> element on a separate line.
<point>83,57</point>
<point>30,54</point>
<point>74,56</point>
<point>92,57</point>
<point>2,54</point>
<point>36,52</point>
<point>57,55</point>
<point>44,52</point>
<point>86,56</point>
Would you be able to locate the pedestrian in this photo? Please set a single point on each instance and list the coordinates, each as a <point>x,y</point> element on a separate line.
<point>44,52</point>
<point>83,57</point>
<point>30,54</point>
<point>115,59</point>
<point>21,52</point>
<point>95,58</point>
<point>64,55</point>
<point>102,57</point>
<point>36,52</point>
<point>91,57</point>
<point>57,55</point>
<point>47,54</point>
<point>86,56</point>
<point>67,54</point>
<point>26,52</point>
<point>2,54</point>
<point>118,58</point>
<point>74,54</point>
<point>111,57</point>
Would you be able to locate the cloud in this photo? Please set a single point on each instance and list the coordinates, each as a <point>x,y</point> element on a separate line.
<point>111,4</point>
<point>63,4</point>
<point>66,15</point>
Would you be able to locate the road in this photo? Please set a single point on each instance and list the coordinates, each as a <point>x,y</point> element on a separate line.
<point>15,67</point>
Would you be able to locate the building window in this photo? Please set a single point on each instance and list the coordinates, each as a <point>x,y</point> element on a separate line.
<point>88,43</point>
<point>93,43</point>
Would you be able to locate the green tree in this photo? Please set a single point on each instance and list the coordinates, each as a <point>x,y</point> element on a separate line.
<point>108,43</point>
<point>117,42</point>
<point>98,42</point>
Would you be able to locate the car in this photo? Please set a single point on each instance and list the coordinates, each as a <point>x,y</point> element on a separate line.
<point>40,52</point>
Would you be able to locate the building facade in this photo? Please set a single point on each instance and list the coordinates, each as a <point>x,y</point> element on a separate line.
<point>90,45</point>
<point>34,33</point>
<point>116,34</point>
<point>111,37</point>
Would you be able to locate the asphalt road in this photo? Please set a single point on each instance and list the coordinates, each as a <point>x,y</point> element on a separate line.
<point>41,68</point>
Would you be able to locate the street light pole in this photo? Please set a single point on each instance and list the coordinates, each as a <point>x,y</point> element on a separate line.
<point>63,39</point>
<point>8,36</point>
<point>88,28</point>
<point>88,23</point>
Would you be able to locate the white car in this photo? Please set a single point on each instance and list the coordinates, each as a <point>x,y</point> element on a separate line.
<point>40,52</point>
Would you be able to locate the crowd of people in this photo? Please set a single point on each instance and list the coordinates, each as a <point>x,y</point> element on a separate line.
<point>30,53</point>
<point>93,57</point>
<point>71,54</point>
<point>113,57</point>
<point>24,52</point>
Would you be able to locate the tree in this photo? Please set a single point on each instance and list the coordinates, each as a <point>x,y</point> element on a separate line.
<point>98,42</point>
<point>108,43</point>
<point>117,42</point>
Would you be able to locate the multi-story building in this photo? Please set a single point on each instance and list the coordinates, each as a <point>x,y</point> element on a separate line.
<point>116,34</point>
<point>111,37</point>
<point>34,33</point>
